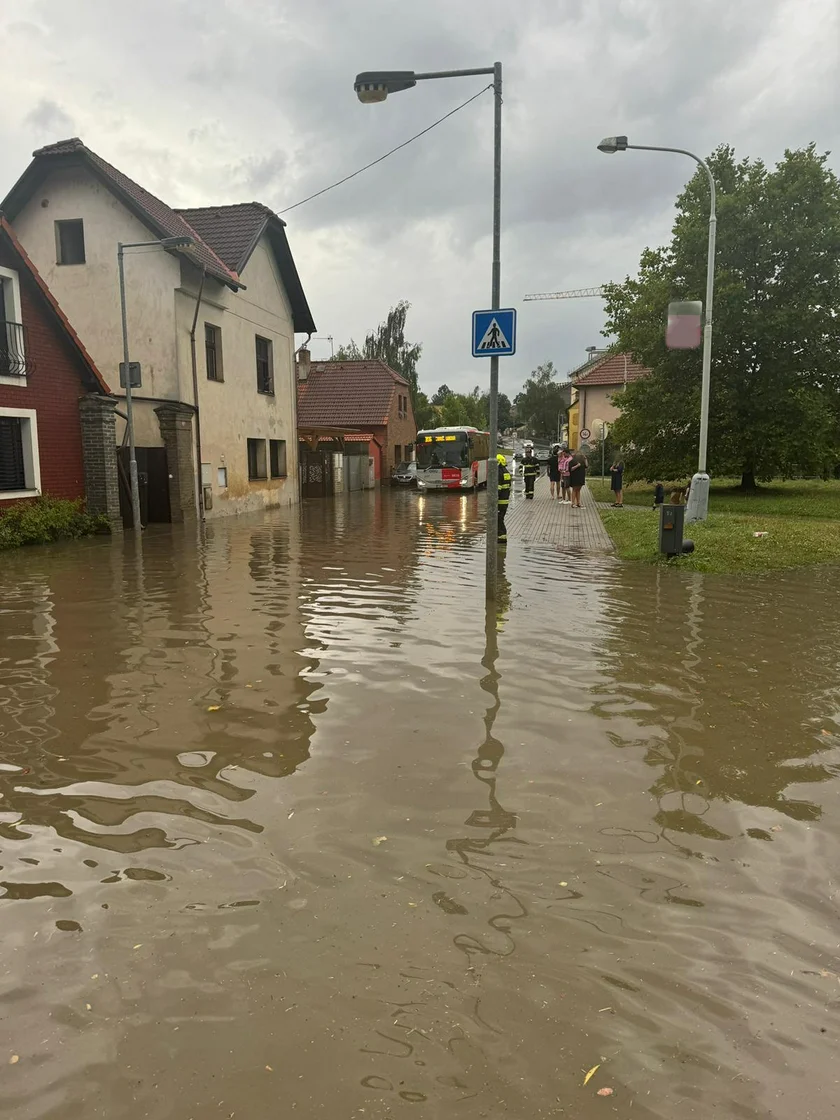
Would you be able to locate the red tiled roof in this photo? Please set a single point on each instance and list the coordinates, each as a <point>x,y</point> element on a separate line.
<point>231,230</point>
<point>156,213</point>
<point>611,370</point>
<point>64,322</point>
<point>348,394</point>
<point>225,236</point>
<point>349,437</point>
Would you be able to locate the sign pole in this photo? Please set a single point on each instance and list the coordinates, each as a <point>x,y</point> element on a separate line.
<point>129,411</point>
<point>495,300</point>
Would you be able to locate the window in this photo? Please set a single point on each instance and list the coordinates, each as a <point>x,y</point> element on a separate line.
<point>277,454</point>
<point>397,454</point>
<point>12,355</point>
<point>265,366</point>
<point>221,478</point>
<point>20,467</point>
<point>213,352</point>
<point>256,459</point>
<point>70,242</point>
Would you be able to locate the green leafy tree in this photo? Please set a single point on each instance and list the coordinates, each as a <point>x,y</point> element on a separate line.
<point>541,402</point>
<point>505,410</point>
<point>442,393</point>
<point>389,343</point>
<point>775,366</point>
<point>424,413</point>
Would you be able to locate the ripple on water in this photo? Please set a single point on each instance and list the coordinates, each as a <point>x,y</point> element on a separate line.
<point>285,798</point>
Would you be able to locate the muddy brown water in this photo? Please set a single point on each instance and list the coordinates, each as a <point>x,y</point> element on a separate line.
<point>289,827</point>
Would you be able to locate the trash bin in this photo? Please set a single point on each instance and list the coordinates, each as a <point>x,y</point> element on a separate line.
<point>671,522</point>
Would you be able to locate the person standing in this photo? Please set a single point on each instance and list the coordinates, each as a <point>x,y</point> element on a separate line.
<point>577,476</point>
<point>530,471</point>
<point>564,463</point>
<point>554,471</point>
<point>617,483</point>
<point>504,497</point>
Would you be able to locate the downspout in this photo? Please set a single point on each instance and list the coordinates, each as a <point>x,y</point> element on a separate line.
<point>199,478</point>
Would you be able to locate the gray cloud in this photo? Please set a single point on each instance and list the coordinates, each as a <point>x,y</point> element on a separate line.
<point>48,118</point>
<point>241,101</point>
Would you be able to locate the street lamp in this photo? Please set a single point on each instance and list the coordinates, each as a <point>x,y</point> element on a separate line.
<point>373,86</point>
<point>161,243</point>
<point>698,497</point>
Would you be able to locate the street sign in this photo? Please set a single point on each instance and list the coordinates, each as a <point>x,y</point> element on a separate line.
<point>585,433</point>
<point>685,325</point>
<point>134,370</point>
<point>494,333</point>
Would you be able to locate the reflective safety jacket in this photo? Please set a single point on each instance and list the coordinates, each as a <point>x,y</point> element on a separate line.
<point>504,485</point>
<point>531,467</point>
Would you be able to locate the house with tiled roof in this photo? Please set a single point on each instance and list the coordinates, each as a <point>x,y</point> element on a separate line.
<point>348,407</point>
<point>211,323</point>
<point>56,409</point>
<point>594,385</point>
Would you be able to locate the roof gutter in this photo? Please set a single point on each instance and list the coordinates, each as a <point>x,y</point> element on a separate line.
<point>199,478</point>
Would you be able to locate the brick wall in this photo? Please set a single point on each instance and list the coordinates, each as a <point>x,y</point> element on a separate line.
<point>53,389</point>
<point>401,430</point>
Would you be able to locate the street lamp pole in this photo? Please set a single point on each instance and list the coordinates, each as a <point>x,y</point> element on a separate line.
<point>161,243</point>
<point>698,497</point>
<point>375,85</point>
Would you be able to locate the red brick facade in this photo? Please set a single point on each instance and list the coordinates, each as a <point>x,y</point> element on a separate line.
<point>53,388</point>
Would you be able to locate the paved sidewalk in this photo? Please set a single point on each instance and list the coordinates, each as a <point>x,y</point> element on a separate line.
<point>548,522</point>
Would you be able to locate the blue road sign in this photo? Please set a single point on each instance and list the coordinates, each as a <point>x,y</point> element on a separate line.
<point>494,333</point>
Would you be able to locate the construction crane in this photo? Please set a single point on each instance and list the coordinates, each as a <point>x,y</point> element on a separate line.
<point>575,293</point>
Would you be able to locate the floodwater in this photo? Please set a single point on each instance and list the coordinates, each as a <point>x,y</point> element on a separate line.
<point>288,827</point>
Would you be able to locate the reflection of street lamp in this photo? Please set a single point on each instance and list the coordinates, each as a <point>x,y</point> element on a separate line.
<point>375,85</point>
<point>161,243</point>
<point>698,497</point>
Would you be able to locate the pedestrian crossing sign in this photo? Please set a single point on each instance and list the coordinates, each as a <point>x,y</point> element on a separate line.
<point>494,333</point>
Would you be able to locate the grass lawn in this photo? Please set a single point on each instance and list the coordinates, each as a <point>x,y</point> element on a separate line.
<point>801,519</point>
<point>797,498</point>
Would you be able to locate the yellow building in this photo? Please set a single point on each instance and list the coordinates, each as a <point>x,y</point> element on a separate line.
<point>594,385</point>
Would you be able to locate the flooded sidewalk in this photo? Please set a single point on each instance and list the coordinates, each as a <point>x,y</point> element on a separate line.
<point>291,826</point>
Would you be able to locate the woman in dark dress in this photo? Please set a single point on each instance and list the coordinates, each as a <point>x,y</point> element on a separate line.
<point>554,471</point>
<point>577,476</point>
<point>617,483</point>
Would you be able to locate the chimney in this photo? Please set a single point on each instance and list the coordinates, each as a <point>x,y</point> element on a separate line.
<point>303,363</point>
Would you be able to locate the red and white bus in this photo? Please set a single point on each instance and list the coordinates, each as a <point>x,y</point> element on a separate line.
<point>452,458</point>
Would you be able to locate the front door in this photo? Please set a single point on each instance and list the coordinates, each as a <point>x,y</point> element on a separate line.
<point>316,474</point>
<point>153,484</point>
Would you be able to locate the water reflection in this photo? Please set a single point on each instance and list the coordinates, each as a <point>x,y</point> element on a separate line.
<point>284,813</point>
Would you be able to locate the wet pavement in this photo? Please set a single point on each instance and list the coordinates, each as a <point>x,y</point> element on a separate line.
<point>289,827</point>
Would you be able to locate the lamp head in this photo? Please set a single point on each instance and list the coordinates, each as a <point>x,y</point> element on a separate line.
<point>612,144</point>
<point>185,242</point>
<point>374,85</point>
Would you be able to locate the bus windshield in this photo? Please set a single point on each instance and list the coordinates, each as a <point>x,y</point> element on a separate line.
<point>446,450</point>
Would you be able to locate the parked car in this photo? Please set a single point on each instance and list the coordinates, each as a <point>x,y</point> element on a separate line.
<point>405,475</point>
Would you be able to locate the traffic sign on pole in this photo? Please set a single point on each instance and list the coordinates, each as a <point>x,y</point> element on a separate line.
<point>494,333</point>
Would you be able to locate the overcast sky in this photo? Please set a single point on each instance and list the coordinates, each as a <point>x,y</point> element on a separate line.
<point>208,101</point>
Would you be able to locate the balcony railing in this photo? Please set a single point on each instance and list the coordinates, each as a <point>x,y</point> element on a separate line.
<point>13,361</point>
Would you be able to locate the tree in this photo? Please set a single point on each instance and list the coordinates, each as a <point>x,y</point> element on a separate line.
<point>541,402</point>
<point>388,342</point>
<point>442,393</point>
<point>775,371</point>
<point>505,410</point>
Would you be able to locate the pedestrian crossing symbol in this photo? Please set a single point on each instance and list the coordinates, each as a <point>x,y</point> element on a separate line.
<point>494,333</point>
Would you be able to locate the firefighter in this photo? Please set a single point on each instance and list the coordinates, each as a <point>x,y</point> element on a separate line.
<point>504,496</point>
<point>531,471</point>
